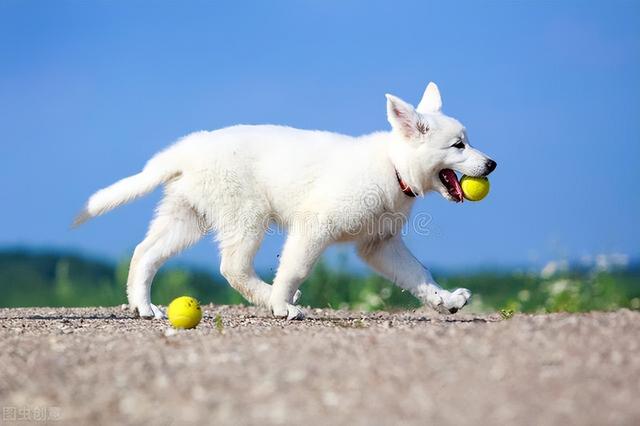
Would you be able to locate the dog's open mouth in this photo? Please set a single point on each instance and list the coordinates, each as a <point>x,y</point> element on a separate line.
<point>452,184</point>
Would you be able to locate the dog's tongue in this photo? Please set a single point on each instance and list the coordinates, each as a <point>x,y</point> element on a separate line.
<point>450,180</point>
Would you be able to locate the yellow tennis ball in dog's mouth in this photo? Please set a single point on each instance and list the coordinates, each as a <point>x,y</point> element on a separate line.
<point>474,188</point>
<point>184,312</point>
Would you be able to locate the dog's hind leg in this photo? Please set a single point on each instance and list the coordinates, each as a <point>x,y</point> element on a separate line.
<point>238,247</point>
<point>175,228</point>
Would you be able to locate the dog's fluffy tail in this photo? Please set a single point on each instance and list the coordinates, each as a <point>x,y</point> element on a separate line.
<point>125,190</point>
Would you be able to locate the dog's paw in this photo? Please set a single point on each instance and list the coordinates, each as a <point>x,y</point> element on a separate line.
<point>149,311</point>
<point>435,301</point>
<point>454,301</point>
<point>286,310</point>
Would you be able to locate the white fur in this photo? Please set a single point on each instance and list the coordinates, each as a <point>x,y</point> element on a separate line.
<point>321,187</point>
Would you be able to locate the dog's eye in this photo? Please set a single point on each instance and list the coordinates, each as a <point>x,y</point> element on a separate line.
<point>459,145</point>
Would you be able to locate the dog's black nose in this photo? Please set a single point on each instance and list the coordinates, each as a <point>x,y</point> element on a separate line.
<point>490,165</point>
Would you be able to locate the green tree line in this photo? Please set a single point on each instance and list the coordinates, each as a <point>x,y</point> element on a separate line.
<point>30,278</point>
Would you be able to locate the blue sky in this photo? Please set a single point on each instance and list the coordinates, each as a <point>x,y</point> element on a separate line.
<point>90,90</point>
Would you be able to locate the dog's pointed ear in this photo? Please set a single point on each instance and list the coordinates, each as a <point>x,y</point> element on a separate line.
<point>431,101</point>
<point>402,116</point>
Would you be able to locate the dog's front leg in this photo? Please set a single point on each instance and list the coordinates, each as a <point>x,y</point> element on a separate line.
<point>393,260</point>
<point>300,253</point>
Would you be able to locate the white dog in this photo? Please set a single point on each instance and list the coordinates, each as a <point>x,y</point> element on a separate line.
<point>321,187</point>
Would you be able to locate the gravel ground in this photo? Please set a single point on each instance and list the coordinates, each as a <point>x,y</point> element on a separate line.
<point>101,366</point>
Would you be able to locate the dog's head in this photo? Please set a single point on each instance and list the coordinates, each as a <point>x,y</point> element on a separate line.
<point>428,147</point>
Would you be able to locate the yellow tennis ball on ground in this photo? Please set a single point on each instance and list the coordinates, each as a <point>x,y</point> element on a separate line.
<point>474,188</point>
<point>184,312</point>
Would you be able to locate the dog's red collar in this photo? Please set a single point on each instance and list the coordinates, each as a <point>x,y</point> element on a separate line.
<point>404,186</point>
